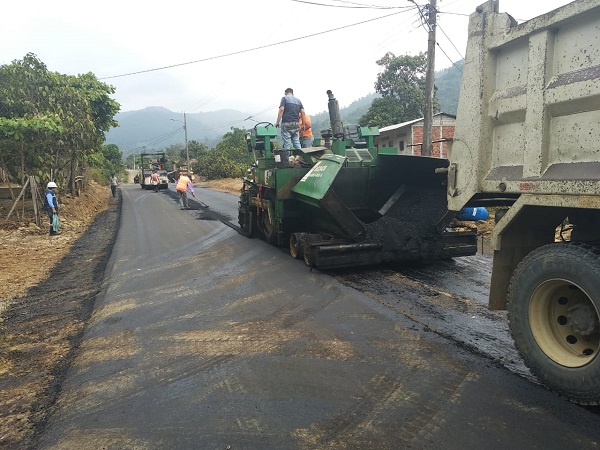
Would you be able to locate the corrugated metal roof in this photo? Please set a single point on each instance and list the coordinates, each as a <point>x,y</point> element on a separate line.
<point>412,122</point>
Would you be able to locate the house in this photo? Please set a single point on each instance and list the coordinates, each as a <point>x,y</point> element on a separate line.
<point>408,136</point>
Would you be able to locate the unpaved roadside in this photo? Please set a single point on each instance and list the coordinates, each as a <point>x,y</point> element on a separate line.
<point>41,329</point>
<point>47,291</point>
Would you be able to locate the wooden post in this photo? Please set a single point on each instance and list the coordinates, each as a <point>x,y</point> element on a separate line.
<point>17,200</point>
<point>36,211</point>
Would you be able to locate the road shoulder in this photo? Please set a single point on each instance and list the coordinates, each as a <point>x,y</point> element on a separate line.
<point>41,331</point>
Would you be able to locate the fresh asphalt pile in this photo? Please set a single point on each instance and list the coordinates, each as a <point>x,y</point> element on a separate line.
<point>410,223</point>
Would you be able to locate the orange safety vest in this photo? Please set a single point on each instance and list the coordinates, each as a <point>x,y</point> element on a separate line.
<point>305,128</point>
<point>182,183</point>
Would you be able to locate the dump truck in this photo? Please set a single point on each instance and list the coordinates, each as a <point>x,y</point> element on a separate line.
<point>348,203</point>
<point>148,163</point>
<point>526,142</point>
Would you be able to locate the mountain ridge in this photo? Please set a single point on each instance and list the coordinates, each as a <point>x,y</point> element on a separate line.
<point>156,127</point>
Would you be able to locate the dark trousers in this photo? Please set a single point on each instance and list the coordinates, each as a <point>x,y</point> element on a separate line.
<point>183,199</point>
<point>50,213</point>
<point>113,189</point>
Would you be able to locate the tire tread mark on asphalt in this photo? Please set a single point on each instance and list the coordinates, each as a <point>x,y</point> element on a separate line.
<point>71,406</point>
<point>358,426</point>
<point>499,348</point>
<point>288,316</point>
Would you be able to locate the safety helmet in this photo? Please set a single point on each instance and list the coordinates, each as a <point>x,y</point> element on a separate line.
<point>51,185</point>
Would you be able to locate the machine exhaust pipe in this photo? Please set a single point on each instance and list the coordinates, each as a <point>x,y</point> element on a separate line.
<point>337,127</point>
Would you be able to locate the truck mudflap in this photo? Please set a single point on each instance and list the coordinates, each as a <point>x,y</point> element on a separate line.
<point>331,254</point>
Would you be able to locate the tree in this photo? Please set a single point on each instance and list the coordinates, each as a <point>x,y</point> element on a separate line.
<point>50,122</point>
<point>113,156</point>
<point>196,149</point>
<point>26,119</point>
<point>227,160</point>
<point>102,107</point>
<point>402,86</point>
<point>383,111</point>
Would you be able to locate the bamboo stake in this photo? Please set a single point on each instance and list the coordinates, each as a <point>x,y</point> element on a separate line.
<point>17,200</point>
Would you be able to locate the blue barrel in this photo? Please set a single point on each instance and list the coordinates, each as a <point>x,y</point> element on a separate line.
<point>472,214</point>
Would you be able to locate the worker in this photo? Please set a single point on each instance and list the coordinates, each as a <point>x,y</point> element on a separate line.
<point>51,207</point>
<point>182,188</point>
<point>154,180</point>
<point>114,182</point>
<point>306,134</point>
<point>290,110</point>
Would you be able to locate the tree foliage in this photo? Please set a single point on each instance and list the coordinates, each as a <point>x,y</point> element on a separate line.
<point>49,122</point>
<point>401,84</point>
<point>227,160</point>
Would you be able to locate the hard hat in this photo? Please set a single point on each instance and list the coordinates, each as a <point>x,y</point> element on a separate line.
<point>51,185</point>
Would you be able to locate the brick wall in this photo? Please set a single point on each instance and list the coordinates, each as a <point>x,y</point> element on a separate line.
<point>447,132</point>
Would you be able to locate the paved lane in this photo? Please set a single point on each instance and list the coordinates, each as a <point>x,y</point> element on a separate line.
<point>208,340</point>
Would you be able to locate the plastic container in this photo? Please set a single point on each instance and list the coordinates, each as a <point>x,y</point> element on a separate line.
<point>473,214</point>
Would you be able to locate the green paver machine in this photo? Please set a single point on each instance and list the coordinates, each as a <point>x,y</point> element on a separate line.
<point>348,203</point>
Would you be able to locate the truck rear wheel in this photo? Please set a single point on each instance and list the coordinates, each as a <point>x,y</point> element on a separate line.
<point>554,313</point>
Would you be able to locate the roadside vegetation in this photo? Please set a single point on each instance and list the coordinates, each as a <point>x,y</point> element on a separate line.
<point>52,126</point>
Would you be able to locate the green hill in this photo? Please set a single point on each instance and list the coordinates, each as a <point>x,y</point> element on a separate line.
<point>156,128</point>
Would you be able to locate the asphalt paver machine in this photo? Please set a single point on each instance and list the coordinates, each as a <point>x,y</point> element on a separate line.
<point>347,202</point>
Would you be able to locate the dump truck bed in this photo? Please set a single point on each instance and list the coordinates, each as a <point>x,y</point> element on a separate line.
<point>528,118</point>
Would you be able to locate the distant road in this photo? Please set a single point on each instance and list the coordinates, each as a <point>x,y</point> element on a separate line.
<point>131,174</point>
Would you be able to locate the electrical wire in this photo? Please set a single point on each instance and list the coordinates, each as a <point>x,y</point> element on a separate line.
<point>450,40</point>
<point>239,52</point>
<point>358,5</point>
<point>455,14</point>
<point>161,138</point>
<point>446,54</point>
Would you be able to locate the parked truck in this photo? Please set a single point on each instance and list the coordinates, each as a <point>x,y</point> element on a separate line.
<point>527,141</point>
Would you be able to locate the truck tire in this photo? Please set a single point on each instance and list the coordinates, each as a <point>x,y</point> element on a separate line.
<point>554,315</point>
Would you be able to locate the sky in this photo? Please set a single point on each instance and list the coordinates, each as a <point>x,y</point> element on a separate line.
<point>235,54</point>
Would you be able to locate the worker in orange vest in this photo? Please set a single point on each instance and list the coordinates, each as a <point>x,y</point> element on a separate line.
<point>306,134</point>
<point>182,188</point>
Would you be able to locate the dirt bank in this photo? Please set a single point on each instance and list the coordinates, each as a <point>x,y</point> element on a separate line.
<point>49,286</point>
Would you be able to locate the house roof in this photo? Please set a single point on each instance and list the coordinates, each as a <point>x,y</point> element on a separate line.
<point>412,122</point>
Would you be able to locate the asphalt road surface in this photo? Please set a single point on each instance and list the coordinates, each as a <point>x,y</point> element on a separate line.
<point>204,339</point>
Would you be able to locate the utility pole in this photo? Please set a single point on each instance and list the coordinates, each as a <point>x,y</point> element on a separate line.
<point>426,145</point>
<point>187,152</point>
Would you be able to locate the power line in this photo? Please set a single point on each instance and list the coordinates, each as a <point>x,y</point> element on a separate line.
<point>357,5</point>
<point>254,48</point>
<point>455,14</point>
<point>161,138</point>
<point>457,50</point>
<point>453,63</point>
